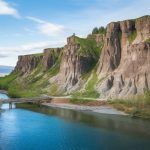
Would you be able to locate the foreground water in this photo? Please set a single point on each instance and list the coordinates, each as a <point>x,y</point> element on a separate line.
<point>58,129</point>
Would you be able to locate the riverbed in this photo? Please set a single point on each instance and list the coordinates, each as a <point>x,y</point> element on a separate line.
<point>30,127</point>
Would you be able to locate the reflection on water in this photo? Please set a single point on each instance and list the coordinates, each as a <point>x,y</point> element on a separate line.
<point>41,128</point>
<point>122,124</point>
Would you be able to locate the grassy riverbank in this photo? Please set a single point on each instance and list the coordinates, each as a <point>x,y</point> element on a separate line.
<point>138,106</point>
<point>18,88</point>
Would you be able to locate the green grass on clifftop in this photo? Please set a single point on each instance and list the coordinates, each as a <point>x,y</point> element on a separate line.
<point>37,54</point>
<point>88,47</point>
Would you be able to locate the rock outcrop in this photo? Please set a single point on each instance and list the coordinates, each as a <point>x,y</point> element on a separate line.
<point>123,68</point>
<point>125,61</point>
<point>50,57</point>
<point>73,65</point>
<point>47,60</point>
<point>111,54</point>
<point>27,63</point>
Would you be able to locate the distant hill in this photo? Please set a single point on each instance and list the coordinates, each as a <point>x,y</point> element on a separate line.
<point>5,69</point>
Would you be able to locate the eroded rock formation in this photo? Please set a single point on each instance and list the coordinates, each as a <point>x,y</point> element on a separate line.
<point>50,57</point>
<point>73,65</point>
<point>27,63</point>
<point>125,64</point>
<point>123,68</point>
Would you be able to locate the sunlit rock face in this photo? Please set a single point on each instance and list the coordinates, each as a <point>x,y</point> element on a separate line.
<point>72,66</point>
<point>27,63</point>
<point>50,56</point>
<point>125,60</point>
<point>123,68</point>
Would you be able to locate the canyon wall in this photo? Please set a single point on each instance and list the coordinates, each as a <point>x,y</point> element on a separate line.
<point>73,65</point>
<point>27,63</point>
<point>50,57</point>
<point>125,61</point>
<point>121,58</point>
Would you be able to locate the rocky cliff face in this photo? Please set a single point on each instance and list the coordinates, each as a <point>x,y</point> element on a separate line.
<point>47,60</point>
<point>125,61</point>
<point>50,57</point>
<point>110,57</point>
<point>27,63</point>
<point>123,68</point>
<point>73,65</point>
<point>64,66</point>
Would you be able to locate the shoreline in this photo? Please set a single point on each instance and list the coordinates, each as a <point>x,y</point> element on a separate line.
<point>98,107</point>
<point>103,109</point>
<point>3,92</point>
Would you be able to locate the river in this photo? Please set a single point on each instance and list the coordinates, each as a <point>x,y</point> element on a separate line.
<point>29,127</point>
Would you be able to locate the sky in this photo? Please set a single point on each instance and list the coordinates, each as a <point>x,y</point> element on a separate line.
<point>29,26</point>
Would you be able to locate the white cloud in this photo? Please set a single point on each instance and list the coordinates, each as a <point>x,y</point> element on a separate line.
<point>8,55</point>
<point>47,28</point>
<point>30,47</point>
<point>6,9</point>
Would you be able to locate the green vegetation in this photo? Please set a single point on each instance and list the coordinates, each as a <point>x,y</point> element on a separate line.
<point>17,91</point>
<point>25,87</point>
<point>38,54</point>
<point>95,31</point>
<point>138,106</point>
<point>33,84</point>
<point>88,47</point>
<point>55,69</point>
<point>14,88</point>
<point>53,90</point>
<point>89,91</point>
<point>90,86</point>
<point>77,100</point>
<point>5,81</point>
<point>147,41</point>
<point>100,30</point>
<point>86,76</point>
<point>132,36</point>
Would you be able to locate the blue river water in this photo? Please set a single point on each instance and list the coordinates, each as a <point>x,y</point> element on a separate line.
<point>29,127</point>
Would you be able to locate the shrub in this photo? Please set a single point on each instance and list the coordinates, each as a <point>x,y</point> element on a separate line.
<point>102,30</point>
<point>132,36</point>
<point>95,30</point>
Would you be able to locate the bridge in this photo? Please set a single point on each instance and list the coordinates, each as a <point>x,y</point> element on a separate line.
<point>36,100</point>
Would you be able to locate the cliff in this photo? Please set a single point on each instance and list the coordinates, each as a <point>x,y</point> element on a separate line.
<point>27,63</point>
<point>50,57</point>
<point>77,60</point>
<point>114,64</point>
<point>60,70</point>
<point>125,62</point>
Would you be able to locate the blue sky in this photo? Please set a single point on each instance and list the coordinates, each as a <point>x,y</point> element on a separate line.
<point>29,26</point>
